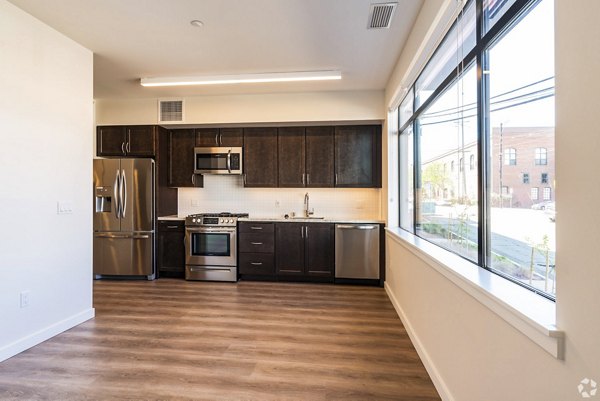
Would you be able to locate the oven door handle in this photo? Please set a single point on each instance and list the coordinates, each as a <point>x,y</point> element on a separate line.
<point>223,230</point>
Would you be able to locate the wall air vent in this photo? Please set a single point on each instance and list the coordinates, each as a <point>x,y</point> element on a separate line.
<point>170,111</point>
<point>380,15</point>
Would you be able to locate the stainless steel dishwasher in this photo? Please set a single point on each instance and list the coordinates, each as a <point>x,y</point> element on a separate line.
<point>357,251</point>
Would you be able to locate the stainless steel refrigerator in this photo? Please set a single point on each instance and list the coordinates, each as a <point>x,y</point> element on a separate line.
<point>124,220</point>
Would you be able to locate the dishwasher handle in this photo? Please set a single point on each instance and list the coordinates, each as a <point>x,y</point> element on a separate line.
<point>356,227</point>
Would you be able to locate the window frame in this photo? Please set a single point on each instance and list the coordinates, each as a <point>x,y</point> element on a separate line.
<point>484,40</point>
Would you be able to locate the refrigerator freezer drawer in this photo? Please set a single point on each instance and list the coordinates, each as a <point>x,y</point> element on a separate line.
<point>123,254</point>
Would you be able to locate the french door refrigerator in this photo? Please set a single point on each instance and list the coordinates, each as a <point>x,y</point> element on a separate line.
<point>124,218</point>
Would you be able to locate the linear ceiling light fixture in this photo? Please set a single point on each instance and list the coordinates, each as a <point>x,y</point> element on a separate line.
<point>243,78</point>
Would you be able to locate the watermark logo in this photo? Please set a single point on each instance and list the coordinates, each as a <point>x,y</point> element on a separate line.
<point>587,388</point>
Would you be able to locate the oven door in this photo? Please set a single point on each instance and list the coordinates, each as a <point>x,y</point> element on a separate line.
<point>210,246</point>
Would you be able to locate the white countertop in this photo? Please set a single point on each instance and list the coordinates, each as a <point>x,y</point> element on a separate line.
<point>172,217</point>
<point>313,220</point>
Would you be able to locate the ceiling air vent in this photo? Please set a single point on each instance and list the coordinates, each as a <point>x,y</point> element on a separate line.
<point>380,15</point>
<point>170,111</point>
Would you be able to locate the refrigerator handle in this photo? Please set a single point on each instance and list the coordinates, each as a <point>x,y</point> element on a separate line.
<point>124,194</point>
<point>117,191</point>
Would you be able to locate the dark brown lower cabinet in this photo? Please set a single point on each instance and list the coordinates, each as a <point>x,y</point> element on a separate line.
<point>257,247</point>
<point>170,260</point>
<point>304,249</point>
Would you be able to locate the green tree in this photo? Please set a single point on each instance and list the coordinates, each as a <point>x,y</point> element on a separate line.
<point>436,177</point>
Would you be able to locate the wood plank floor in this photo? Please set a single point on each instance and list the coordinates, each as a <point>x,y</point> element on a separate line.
<point>171,339</point>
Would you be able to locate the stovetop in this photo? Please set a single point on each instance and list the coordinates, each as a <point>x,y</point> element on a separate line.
<point>224,219</point>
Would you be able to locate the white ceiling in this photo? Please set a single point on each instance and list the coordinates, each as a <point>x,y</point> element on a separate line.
<point>148,38</point>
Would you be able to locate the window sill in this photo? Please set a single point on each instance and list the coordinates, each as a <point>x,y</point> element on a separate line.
<point>531,314</point>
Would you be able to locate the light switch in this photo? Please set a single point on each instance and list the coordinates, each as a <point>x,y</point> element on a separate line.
<point>64,207</point>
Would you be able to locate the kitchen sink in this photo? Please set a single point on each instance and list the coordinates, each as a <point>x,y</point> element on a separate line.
<point>307,218</point>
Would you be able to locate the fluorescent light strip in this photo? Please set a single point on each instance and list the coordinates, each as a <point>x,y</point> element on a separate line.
<point>243,78</point>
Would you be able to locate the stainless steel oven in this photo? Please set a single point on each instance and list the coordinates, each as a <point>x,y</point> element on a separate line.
<point>211,247</point>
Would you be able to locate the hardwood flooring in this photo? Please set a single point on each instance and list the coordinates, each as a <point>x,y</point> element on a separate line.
<point>171,339</point>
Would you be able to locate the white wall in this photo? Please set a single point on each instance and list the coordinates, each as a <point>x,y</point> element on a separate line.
<point>263,108</point>
<point>227,193</point>
<point>475,354</point>
<point>45,157</point>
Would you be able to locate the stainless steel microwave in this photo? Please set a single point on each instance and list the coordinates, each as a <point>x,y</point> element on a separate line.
<point>218,160</point>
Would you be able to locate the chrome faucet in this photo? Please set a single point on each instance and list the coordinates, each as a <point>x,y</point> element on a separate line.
<point>307,210</point>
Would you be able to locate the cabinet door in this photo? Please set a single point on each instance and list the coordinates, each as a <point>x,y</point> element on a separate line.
<point>289,248</point>
<point>231,137</point>
<point>181,159</point>
<point>319,157</point>
<point>260,157</point>
<point>207,137</point>
<point>141,141</point>
<point>111,141</point>
<point>319,246</point>
<point>356,156</point>
<point>171,250</point>
<point>291,156</point>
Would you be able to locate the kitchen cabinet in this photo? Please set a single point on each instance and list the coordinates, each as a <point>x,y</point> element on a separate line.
<point>181,159</point>
<point>214,137</point>
<point>358,156</point>
<point>260,157</point>
<point>170,259</point>
<point>319,157</point>
<point>256,249</point>
<point>304,249</point>
<point>129,141</point>
<point>305,157</point>
<point>291,157</point>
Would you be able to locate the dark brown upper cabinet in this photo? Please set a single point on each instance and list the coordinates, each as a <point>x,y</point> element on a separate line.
<point>260,157</point>
<point>319,157</point>
<point>214,137</point>
<point>358,156</point>
<point>305,157</point>
<point>126,141</point>
<point>181,159</point>
<point>291,157</point>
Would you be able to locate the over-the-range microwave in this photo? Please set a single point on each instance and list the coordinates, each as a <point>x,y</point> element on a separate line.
<point>218,160</point>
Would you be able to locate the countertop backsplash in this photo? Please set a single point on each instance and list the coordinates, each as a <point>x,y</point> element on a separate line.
<point>227,194</point>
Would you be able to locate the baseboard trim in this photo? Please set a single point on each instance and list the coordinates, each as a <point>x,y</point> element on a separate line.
<point>436,378</point>
<point>44,334</point>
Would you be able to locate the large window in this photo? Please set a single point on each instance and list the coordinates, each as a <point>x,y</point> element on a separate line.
<point>486,97</point>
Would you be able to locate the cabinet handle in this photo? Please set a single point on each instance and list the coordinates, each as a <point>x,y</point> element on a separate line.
<point>123,147</point>
<point>221,139</point>
<point>306,232</point>
<point>217,139</point>
<point>302,231</point>
<point>303,178</point>
<point>256,228</point>
<point>194,179</point>
<point>256,243</point>
<point>245,181</point>
<point>307,179</point>
<point>128,147</point>
<point>256,263</point>
<point>335,178</point>
<point>171,226</point>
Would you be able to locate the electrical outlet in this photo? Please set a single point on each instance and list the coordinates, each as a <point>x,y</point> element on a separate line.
<point>24,299</point>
